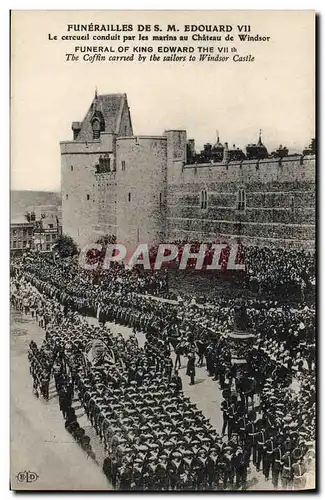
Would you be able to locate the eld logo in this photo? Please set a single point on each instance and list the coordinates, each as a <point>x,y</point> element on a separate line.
<point>27,477</point>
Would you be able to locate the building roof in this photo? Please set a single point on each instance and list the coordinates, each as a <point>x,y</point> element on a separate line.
<point>218,144</point>
<point>20,220</point>
<point>110,108</point>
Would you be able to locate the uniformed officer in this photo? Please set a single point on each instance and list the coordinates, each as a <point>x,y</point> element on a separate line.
<point>268,457</point>
<point>287,472</point>
<point>251,432</point>
<point>190,370</point>
<point>260,447</point>
<point>299,474</point>
<point>224,408</point>
<point>240,466</point>
<point>232,415</point>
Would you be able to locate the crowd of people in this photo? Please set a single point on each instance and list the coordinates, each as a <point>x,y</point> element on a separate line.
<point>281,270</point>
<point>156,438</point>
<point>267,270</point>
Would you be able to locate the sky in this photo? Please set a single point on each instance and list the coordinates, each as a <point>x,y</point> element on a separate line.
<point>275,93</point>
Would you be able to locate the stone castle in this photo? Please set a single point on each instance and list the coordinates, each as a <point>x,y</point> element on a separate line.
<point>150,189</point>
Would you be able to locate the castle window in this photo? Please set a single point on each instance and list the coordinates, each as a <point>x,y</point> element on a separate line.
<point>123,166</point>
<point>88,197</point>
<point>160,199</point>
<point>71,168</point>
<point>292,203</point>
<point>66,196</point>
<point>129,197</point>
<point>125,129</point>
<point>241,200</point>
<point>204,199</point>
<point>96,129</point>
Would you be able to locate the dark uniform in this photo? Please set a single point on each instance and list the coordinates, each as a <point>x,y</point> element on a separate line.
<point>299,475</point>
<point>250,444</point>
<point>268,457</point>
<point>287,472</point>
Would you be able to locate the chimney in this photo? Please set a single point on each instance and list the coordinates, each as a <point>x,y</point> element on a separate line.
<point>225,158</point>
<point>76,127</point>
<point>207,147</point>
<point>191,146</point>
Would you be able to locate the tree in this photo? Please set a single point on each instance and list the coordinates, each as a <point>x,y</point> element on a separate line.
<point>107,239</point>
<point>65,246</point>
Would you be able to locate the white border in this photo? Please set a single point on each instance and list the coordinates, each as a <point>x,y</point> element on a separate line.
<point>318,6</point>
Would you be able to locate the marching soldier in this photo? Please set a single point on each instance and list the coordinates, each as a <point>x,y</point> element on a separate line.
<point>212,468</point>
<point>240,467</point>
<point>260,447</point>
<point>137,476</point>
<point>45,381</point>
<point>175,469</point>
<point>125,475</point>
<point>268,457</point>
<point>228,468</point>
<point>225,409</point>
<point>287,473</point>
<point>176,379</point>
<point>242,424</point>
<point>190,370</point>
<point>251,433</point>
<point>299,474</point>
<point>232,416</point>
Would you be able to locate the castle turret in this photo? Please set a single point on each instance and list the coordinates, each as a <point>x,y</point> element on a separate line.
<point>190,153</point>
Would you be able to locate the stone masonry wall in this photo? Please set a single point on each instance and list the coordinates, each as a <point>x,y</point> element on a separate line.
<point>141,189</point>
<point>280,201</point>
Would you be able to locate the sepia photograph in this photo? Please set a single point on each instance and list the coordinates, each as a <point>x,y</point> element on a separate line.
<point>162,251</point>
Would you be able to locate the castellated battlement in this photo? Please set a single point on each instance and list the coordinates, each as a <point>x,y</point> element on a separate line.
<point>105,176</point>
<point>105,144</point>
<point>296,168</point>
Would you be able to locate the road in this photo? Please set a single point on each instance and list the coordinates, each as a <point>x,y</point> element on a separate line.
<point>39,441</point>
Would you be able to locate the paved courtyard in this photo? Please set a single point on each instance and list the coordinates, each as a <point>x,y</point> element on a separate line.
<point>39,441</point>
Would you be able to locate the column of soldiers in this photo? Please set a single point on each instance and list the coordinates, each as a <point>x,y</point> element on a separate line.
<point>40,370</point>
<point>265,439</point>
<point>155,438</point>
<point>274,436</point>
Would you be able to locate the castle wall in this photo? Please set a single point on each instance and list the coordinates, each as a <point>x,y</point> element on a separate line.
<point>106,193</point>
<point>280,201</point>
<point>141,190</point>
<point>79,211</point>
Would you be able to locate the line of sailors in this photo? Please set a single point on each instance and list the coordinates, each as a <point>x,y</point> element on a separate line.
<point>77,289</point>
<point>154,436</point>
<point>278,447</point>
<point>129,309</point>
<point>40,370</point>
